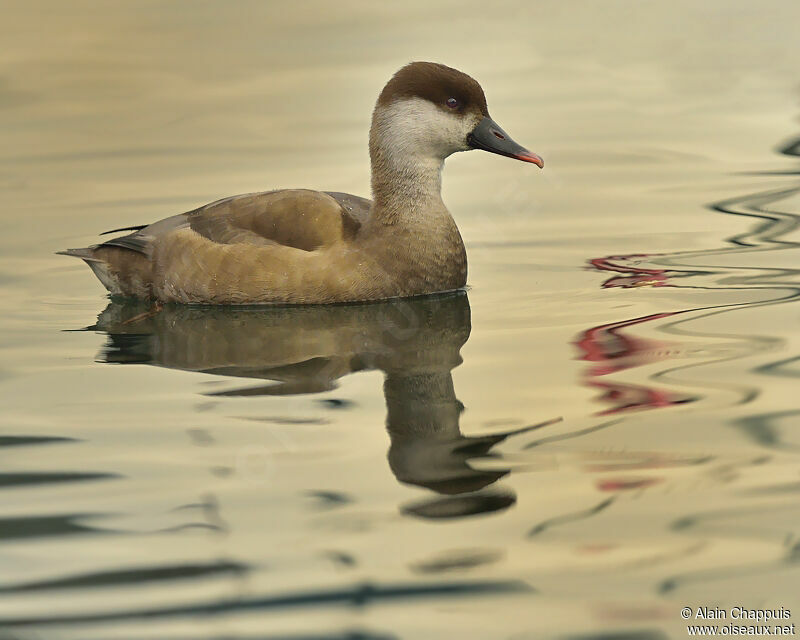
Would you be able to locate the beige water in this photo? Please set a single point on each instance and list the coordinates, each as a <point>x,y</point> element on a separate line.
<point>602,431</point>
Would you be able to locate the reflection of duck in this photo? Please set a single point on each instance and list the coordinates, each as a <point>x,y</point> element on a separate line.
<point>300,246</point>
<point>305,349</point>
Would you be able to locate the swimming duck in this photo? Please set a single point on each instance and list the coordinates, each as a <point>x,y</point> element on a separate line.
<point>297,246</point>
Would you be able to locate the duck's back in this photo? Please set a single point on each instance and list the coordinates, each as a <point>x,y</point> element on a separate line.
<point>210,254</point>
<point>297,218</point>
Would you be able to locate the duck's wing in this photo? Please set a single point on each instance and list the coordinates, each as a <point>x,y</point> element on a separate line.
<point>298,218</point>
<point>259,247</point>
<point>354,207</point>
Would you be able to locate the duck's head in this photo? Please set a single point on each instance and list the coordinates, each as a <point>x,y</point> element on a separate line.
<point>428,111</point>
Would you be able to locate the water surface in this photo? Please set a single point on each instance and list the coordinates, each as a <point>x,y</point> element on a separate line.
<point>602,430</point>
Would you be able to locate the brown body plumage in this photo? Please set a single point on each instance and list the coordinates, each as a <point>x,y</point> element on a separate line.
<point>304,247</point>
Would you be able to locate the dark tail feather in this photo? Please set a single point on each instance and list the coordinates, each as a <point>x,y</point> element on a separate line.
<point>83,254</point>
<point>136,227</point>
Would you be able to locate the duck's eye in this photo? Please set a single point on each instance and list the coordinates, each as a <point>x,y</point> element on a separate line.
<point>453,103</point>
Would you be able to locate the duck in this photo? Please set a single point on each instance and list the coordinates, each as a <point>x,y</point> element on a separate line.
<point>300,246</point>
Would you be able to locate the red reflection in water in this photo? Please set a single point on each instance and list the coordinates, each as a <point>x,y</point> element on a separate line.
<point>626,484</point>
<point>613,348</point>
<point>637,276</point>
<point>596,548</point>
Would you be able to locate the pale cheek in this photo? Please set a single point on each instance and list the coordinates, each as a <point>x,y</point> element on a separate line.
<point>459,139</point>
<point>450,134</point>
<point>420,129</point>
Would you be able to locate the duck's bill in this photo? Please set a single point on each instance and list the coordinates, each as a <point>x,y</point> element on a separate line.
<point>490,137</point>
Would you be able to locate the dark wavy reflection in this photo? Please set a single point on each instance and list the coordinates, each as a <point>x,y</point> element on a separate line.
<point>131,577</point>
<point>27,441</point>
<point>25,527</point>
<point>761,260</point>
<point>9,480</point>
<point>287,351</point>
<point>416,344</point>
<point>745,318</point>
<point>302,350</point>
<point>357,596</point>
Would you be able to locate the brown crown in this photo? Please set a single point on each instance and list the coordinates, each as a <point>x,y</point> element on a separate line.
<point>434,82</point>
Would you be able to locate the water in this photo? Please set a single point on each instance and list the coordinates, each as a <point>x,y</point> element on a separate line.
<point>601,431</point>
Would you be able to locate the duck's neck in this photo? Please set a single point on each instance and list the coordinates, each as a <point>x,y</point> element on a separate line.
<point>406,193</point>
<point>406,183</point>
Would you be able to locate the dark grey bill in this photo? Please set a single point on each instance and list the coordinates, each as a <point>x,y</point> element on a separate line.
<point>490,137</point>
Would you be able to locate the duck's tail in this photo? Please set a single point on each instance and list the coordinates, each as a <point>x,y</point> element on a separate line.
<point>83,254</point>
<point>122,272</point>
<point>100,267</point>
